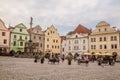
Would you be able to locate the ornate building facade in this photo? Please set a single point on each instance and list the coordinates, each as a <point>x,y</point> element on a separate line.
<point>4,38</point>
<point>104,39</point>
<point>38,38</point>
<point>19,36</point>
<point>76,41</point>
<point>52,40</point>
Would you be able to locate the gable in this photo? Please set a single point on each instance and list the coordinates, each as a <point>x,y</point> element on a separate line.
<point>20,29</point>
<point>2,25</point>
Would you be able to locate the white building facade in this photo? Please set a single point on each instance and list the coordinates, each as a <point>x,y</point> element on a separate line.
<point>77,41</point>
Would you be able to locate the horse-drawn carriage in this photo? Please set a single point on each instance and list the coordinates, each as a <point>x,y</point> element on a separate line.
<point>106,60</point>
<point>53,60</point>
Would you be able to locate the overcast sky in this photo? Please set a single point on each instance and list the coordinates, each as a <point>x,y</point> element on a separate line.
<point>65,15</point>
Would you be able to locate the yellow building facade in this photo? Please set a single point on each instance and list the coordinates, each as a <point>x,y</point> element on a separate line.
<point>52,40</point>
<point>104,39</point>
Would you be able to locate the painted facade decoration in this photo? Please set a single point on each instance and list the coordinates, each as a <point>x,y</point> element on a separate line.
<point>19,36</point>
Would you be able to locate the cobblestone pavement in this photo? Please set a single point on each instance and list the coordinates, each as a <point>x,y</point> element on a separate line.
<point>26,69</point>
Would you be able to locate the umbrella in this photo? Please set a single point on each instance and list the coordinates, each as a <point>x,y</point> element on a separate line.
<point>87,54</point>
<point>108,54</point>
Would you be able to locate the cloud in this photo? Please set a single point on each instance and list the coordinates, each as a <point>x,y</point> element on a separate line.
<point>64,14</point>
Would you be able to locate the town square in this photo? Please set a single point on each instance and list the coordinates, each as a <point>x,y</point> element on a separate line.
<point>59,40</point>
<point>25,69</point>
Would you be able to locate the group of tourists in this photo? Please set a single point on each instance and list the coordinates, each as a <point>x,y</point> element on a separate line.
<point>56,58</point>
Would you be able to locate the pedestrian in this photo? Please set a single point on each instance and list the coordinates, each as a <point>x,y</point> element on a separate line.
<point>36,58</point>
<point>42,58</point>
<point>69,58</point>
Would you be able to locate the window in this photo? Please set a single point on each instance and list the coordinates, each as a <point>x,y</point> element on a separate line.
<point>77,47</point>
<point>20,30</point>
<point>99,30</point>
<point>115,38</point>
<point>94,39</point>
<point>111,38</point>
<point>100,46</point>
<point>76,42</point>
<point>91,39</point>
<point>69,42</point>
<point>105,29</point>
<point>74,47</point>
<point>47,46</point>
<point>84,48</point>
<point>48,33</point>
<point>94,46</point>
<point>40,38</point>
<point>14,43</point>
<point>83,41</point>
<point>26,37</point>
<point>100,38</point>
<point>105,47</point>
<point>55,47</point>
<point>3,33</point>
<point>20,37</point>
<point>104,38</point>
<point>91,46</point>
<point>115,46</point>
<point>21,43</point>
<point>53,41</point>
<point>69,48</point>
<point>41,45</point>
<point>112,46</point>
<point>37,44</point>
<point>76,36</point>
<point>5,41</point>
<point>52,46</point>
<point>63,50</point>
<point>47,39</point>
<point>34,37</point>
<point>56,41</point>
<point>14,36</point>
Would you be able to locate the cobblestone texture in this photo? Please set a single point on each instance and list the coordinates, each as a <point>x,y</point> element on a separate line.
<point>26,69</point>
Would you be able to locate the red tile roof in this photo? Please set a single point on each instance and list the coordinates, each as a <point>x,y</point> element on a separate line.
<point>62,38</point>
<point>28,30</point>
<point>81,29</point>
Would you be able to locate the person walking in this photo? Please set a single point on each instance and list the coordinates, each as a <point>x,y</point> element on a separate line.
<point>69,58</point>
<point>42,58</point>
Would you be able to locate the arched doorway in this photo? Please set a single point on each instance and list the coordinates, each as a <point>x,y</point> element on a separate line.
<point>114,54</point>
<point>93,53</point>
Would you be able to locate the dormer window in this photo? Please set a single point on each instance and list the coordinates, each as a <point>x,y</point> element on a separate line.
<point>48,33</point>
<point>76,36</point>
<point>99,30</point>
<point>105,29</point>
<point>20,30</point>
